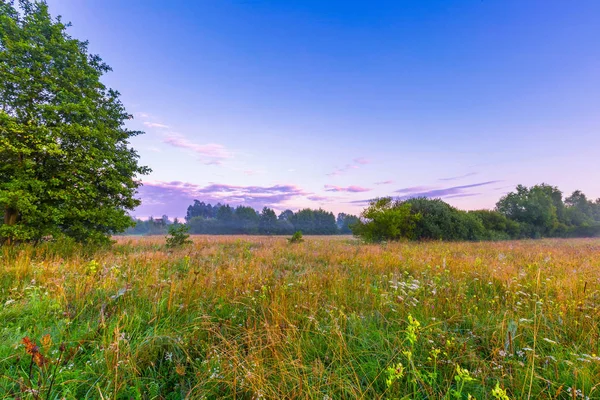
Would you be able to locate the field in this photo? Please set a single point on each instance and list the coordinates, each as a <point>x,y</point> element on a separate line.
<point>329,318</point>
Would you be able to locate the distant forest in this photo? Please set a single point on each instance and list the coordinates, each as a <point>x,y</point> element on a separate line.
<point>535,212</point>
<point>222,219</point>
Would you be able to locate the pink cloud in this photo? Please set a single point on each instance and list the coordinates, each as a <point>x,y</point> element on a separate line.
<point>415,189</point>
<point>172,198</point>
<point>350,189</point>
<point>319,198</point>
<point>215,152</point>
<point>356,163</point>
<point>455,178</point>
<point>155,125</point>
<point>448,192</point>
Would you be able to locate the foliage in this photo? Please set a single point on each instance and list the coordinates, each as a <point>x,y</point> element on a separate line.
<point>533,212</point>
<point>268,223</point>
<point>296,237</point>
<point>440,221</point>
<point>178,236</point>
<point>527,213</point>
<point>345,222</point>
<point>534,208</point>
<point>314,222</point>
<point>66,167</point>
<point>201,209</point>
<point>541,212</point>
<point>251,317</point>
<point>204,218</point>
<point>385,219</point>
<point>497,226</point>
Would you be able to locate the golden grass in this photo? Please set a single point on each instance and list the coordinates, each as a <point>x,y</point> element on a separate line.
<point>256,317</point>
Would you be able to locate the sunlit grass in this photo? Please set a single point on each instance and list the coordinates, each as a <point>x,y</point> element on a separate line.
<point>256,317</point>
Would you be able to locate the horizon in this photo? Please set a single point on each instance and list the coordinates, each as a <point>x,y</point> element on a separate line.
<point>310,105</point>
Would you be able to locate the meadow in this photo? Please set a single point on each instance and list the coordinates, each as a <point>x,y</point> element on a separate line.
<point>329,318</point>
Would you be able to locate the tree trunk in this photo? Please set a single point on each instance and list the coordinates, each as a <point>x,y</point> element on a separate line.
<point>10,218</point>
<point>10,215</point>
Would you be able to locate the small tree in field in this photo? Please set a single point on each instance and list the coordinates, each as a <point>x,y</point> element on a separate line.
<point>66,167</point>
<point>178,236</point>
<point>296,237</point>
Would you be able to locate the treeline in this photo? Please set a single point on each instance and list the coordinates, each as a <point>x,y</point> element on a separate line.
<point>535,212</point>
<point>151,226</point>
<point>219,219</point>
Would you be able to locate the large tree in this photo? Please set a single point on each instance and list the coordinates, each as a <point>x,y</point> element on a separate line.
<point>66,166</point>
<point>539,209</point>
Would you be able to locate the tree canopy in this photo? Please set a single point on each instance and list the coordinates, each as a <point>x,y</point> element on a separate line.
<point>66,167</point>
<point>538,211</point>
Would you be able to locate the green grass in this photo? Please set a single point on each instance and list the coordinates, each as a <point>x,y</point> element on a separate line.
<point>329,318</point>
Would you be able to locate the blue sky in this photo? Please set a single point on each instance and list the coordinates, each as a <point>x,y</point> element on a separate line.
<point>297,104</point>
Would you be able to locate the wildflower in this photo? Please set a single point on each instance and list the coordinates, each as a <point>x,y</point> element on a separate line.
<point>46,341</point>
<point>33,350</point>
<point>499,393</point>
<point>462,374</point>
<point>394,373</point>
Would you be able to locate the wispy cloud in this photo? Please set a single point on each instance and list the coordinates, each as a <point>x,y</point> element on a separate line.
<point>349,189</point>
<point>356,164</point>
<point>414,189</point>
<point>340,171</point>
<point>455,196</point>
<point>448,192</point>
<point>455,178</point>
<point>319,198</point>
<point>213,153</point>
<point>363,202</point>
<point>155,125</point>
<point>432,192</point>
<point>388,182</point>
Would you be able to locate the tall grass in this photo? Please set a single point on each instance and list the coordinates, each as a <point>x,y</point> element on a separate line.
<point>329,318</point>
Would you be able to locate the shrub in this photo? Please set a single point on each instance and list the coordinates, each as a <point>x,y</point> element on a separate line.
<point>296,237</point>
<point>440,221</point>
<point>178,236</point>
<point>386,219</point>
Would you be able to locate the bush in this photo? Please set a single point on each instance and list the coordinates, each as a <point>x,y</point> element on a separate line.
<point>497,226</point>
<point>440,221</point>
<point>386,219</point>
<point>296,237</point>
<point>178,236</point>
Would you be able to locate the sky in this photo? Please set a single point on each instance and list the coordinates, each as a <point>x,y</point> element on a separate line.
<point>293,104</point>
